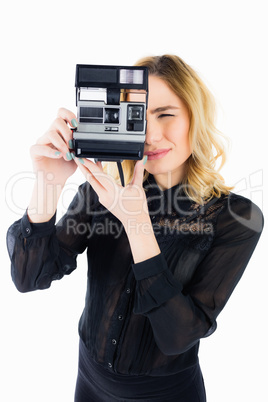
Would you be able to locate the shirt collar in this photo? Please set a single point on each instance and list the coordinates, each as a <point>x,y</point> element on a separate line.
<point>172,201</point>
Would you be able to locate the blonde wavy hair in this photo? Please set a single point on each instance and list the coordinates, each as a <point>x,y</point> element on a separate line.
<point>202,180</point>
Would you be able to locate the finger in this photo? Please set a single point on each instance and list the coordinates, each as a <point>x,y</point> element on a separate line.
<point>54,140</point>
<point>139,172</point>
<point>103,178</point>
<point>37,151</point>
<point>62,128</point>
<point>100,165</point>
<point>97,186</point>
<point>68,116</point>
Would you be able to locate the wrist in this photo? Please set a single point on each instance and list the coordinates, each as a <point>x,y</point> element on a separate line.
<point>141,238</point>
<point>137,223</point>
<point>44,201</point>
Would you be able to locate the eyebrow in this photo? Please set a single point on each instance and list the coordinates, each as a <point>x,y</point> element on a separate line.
<point>163,109</point>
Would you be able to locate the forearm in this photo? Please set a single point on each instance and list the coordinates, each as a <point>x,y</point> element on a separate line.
<point>176,319</point>
<point>141,237</point>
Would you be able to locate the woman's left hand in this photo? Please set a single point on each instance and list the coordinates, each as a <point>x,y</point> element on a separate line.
<point>124,202</point>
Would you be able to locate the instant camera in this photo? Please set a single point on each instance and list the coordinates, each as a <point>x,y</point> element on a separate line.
<point>111,111</point>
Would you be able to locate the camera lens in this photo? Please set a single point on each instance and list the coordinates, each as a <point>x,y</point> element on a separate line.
<point>135,112</point>
<point>111,116</point>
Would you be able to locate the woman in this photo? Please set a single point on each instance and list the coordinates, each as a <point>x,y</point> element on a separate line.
<point>164,253</point>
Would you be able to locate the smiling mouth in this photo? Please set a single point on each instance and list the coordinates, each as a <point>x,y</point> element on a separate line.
<point>157,154</point>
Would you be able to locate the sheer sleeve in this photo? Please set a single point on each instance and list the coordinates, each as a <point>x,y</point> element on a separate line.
<point>179,315</point>
<point>43,252</point>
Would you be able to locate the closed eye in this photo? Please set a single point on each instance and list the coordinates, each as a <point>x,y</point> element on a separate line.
<point>165,115</point>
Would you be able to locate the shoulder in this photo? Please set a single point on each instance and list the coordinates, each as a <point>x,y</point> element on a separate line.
<point>84,201</point>
<point>87,193</point>
<point>239,216</point>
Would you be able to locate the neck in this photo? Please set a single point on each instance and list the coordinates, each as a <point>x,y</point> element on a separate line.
<point>169,179</point>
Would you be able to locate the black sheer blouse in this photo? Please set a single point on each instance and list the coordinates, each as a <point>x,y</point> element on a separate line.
<point>144,318</point>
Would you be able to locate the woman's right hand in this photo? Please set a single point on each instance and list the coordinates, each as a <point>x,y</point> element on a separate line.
<point>51,154</point>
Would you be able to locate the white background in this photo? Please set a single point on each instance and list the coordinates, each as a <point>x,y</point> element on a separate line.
<point>226,42</point>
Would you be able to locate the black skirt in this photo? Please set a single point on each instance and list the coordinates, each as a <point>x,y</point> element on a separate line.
<point>96,384</point>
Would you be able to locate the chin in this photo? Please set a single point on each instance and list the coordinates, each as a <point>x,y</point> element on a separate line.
<point>156,170</point>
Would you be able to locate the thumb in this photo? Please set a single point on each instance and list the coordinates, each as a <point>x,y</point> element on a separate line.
<point>139,171</point>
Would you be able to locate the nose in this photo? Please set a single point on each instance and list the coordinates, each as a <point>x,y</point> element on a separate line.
<point>153,132</point>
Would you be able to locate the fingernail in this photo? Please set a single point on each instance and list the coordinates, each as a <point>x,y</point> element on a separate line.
<point>74,123</point>
<point>73,155</point>
<point>145,159</point>
<point>71,144</point>
<point>81,161</point>
<point>69,156</point>
<point>57,153</point>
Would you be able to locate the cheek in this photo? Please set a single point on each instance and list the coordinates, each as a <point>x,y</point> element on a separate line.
<point>180,135</point>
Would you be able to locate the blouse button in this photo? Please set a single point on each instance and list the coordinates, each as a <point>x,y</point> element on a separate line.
<point>120,317</point>
<point>110,365</point>
<point>128,290</point>
<point>114,341</point>
<point>27,230</point>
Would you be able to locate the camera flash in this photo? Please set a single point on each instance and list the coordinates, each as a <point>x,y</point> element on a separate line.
<point>131,76</point>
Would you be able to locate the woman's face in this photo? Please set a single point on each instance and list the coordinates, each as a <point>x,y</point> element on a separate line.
<point>167,136</point>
